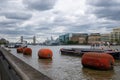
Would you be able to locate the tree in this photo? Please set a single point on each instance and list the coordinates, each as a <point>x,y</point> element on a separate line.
<point>72,42</point>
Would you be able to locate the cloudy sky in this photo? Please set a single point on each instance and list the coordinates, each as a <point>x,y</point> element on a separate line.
<point>45,18</point>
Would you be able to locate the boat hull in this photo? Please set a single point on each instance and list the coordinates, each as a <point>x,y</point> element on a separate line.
<point>81,51</point>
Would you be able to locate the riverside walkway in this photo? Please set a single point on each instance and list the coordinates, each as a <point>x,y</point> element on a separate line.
<point>12,68</point>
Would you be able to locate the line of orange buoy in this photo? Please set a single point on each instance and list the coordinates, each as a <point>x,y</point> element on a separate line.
<point>102,61</point>
<point>44,53</point>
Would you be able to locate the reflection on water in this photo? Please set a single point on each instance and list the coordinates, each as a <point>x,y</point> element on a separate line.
<point>97,74</point>
<point>46,63</point>
<point>117,63</point>
<point>63,67</point>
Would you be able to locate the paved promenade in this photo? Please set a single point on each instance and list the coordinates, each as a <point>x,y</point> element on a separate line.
<point>22,69</point>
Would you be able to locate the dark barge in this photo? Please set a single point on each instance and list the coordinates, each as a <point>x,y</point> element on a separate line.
<point>81,51</point>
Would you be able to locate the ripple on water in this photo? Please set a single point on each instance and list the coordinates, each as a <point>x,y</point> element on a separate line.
<point>63,67</point>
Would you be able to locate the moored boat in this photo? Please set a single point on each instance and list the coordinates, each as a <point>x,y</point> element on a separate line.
<point>81,51</point>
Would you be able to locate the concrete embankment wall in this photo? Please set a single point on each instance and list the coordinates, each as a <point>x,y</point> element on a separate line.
<point>12,68</point>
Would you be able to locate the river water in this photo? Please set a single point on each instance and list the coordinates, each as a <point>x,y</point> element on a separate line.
<point>63,67</point>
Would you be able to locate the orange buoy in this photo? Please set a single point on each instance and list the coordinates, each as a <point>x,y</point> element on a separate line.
<point>45,53</point>
<point>95,60</point>
<point>27,51</point>
<point>20,50</point>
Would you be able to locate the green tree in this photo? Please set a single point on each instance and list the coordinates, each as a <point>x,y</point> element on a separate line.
<point>72,42</point>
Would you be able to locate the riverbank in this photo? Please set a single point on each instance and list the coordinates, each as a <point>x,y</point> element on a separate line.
<point>64,67</point>
<point>19,67</point>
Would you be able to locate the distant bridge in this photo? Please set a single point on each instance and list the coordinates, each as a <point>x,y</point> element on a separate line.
<point>23,39</point>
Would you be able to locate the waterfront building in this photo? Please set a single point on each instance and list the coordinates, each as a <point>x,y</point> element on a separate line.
<point>75,37</point>
<point>64,38</point>
<point>105,37</point>
<point>94,38</point>
<point>115,36</point>
<point>79,38</point>
<point>61,38</point>
<point>67,37</point>
<point>83,40</point>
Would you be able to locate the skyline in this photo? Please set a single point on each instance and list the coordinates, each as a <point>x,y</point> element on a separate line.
<point>46,18</point>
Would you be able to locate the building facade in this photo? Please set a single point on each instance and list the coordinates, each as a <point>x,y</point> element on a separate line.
<point>75,37</point>
<point>83,39</point>
<point>61,38</point>
<point>78,38</point>
<point>115,36</point>
<point>94,38</point>
<point>65,38</point>
<point>105,37</point>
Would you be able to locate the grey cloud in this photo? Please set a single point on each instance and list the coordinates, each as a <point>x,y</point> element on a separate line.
<point>9,23</point>
<point>12,32</point>
<point>1,1</point>
<point>4,4</point>
<point>104,3</point>
<point>13,23</point>
<point>43,28</point>
<point>12,10</point>
<point>62,21</point>
<point>89,27</point>
<point>17,15</point>
<point>106,9</point>
<point>15,32</point>
<point>13,19</point>
<point>40,5</point>
<point>108,13</point>
<point>79,28</point>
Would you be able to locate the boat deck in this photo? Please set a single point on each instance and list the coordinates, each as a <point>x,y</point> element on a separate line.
<point>81,51</point>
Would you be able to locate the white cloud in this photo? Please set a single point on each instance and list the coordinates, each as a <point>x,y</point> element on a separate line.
<point>71,6</point>
<point>46,18</point>
<point>59,29</point>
